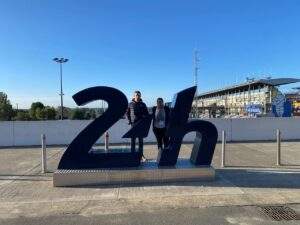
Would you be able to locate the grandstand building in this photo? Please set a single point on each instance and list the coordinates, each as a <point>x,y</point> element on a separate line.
<point>250,98</point>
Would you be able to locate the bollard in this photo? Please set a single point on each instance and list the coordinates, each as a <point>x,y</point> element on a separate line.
<point>223,148</point>
<point>278,147</point>
<point>44,154</point>
<point>106,141</point>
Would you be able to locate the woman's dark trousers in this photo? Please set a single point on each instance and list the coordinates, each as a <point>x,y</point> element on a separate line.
<point>160,134</point>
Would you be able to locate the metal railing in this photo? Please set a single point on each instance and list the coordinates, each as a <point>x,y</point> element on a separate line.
<point>278,139</point>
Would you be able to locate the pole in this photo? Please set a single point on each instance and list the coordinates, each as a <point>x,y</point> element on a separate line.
<point>61,61</point>
<point>106,141</point>
<point>196,80</point>
<point>249,99</point>
<point>61,93</point>
<point>223,148</point>
<point>278,147</point>
<point>16,111</point>
<point>44,154</point>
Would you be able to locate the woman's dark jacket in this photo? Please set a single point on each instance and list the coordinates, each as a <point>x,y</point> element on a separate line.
<point>167,112</point>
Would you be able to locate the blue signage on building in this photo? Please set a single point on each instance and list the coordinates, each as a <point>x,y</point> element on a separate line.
<point>254,109</point>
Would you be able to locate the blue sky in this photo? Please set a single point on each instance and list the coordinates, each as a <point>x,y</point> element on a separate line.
<point>146,45</point>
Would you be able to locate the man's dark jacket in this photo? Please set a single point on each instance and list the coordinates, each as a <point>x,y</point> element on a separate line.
<point>136,111</point>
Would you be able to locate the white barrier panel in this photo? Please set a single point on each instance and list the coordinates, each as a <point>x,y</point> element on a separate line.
<point>264,129</point>
<point>27,133</point>
<point>56,131</point>
<point>222,124</point>
<point>6,133</point>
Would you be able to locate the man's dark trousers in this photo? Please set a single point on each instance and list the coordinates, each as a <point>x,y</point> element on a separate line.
<point>141,144</point>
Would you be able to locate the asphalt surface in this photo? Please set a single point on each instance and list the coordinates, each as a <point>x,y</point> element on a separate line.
<point>193,216</point>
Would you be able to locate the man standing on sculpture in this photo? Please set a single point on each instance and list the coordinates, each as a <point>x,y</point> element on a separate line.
<point>136,111</point>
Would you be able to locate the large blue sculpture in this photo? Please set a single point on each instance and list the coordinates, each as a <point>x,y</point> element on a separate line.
<point>77,154</point>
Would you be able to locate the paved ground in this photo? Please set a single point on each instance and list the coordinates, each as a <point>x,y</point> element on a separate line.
<point>250,181</point>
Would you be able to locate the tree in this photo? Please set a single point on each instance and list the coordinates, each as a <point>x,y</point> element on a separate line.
<point>67,113</point>
<point>38,111</point>
<point>78,114</point>
<point>93,115</point>
<point>5,107</point>
<point>14,114</point>
<point>47,113</point>
<point>35,109</point>
<point>87,116</point>
<point>22,115</point>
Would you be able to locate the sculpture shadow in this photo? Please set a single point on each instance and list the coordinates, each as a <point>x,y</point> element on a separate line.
<point>253,178</point>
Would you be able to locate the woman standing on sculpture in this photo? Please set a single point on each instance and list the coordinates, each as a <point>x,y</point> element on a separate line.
<point>160,121</point>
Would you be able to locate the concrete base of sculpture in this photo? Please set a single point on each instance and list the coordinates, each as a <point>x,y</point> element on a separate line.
<point>147,173</point>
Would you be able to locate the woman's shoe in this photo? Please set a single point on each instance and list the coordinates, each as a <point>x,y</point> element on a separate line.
<point>143,159</point>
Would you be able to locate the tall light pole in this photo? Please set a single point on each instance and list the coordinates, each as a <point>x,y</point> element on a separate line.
<point>61,61</point>
<point>196,79</point>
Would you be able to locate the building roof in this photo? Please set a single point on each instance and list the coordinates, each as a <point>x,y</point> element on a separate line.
<point>279,81</point>
<point>252,84</point>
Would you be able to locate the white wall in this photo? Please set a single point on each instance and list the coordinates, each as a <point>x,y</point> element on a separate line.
<point>249,129</point>
<point>6,133</point>
<point>26,133</point>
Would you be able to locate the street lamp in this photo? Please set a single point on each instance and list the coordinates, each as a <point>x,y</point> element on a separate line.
<point>61,61</point>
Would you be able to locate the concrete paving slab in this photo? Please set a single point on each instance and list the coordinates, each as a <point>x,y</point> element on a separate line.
<point>251,179</point>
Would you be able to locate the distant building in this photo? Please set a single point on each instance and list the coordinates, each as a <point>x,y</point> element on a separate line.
<point>250,98</point>
<point>294,98</point>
